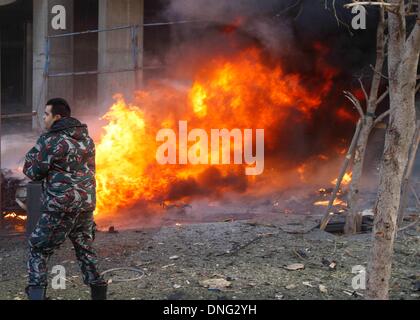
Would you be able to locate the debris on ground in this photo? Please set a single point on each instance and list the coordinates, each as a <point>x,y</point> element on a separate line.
<point>295,266</point>
<point>112,230</point>
<point>323,289</point>
<point>218,284</point>
<point>254,268</point>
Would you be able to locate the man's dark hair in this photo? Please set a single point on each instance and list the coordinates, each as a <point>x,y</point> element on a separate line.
<point>60,107</point>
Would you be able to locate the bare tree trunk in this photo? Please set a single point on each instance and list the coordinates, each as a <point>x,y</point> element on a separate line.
<point>328,213</point>
<point>354,217</point>
<point>405,187</point>
<point>403,56</point>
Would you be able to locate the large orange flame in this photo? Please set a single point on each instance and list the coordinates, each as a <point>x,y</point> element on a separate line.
<point>234,92</point>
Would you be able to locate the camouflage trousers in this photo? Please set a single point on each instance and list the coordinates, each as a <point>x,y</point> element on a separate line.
<point>52,230</point>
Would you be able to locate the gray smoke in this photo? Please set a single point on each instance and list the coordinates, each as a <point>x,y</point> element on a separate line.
<point>258,19</point>
<point>286,27</point>
<point>13,150</point>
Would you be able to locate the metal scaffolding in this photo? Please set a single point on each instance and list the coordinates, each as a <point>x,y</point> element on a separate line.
<point>134,30</point>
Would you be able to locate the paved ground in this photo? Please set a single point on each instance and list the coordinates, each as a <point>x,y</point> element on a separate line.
<point>245,259</point>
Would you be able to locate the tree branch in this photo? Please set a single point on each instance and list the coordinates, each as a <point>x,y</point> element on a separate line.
<point>380,59</point>
<point>355,102</point>
<point>381,117</point>
<point>363,89</point>
<point>379,73</point>
<point>328,213</point>
<point>297,3</point>
<point>368,3</point>
<point>336,16</point>
<point>382,97</point>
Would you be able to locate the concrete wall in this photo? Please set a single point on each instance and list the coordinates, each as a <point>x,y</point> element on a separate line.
<point>115,49</point>
<point>40,31</point>
<point>114,53</point>
<point>61,56</point>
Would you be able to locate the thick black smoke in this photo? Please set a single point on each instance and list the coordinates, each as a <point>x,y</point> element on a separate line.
<point>287,31</point>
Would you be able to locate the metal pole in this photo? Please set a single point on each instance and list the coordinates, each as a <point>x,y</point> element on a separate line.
<point>47,57</point>
<point>89,31</point>
<point>17,115</point>
<point>135,52</point>
<point>82,73</point>
<point>125,27</point>
<point>157,24</point>
<point>135,49</point>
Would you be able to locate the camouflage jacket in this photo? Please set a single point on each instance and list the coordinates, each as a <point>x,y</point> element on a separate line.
<point>64,160</point>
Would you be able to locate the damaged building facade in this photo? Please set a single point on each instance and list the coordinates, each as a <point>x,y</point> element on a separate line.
<point>42,59</point>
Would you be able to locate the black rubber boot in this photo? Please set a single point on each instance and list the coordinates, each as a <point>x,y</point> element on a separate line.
<point>98,291</point>
<point>36,292</point>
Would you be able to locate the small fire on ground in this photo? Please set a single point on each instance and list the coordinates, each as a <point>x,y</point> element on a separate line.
<point>14,216</point>
<point>328,192</point>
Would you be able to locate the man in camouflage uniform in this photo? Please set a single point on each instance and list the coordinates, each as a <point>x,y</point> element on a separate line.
<point>64,160</point>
